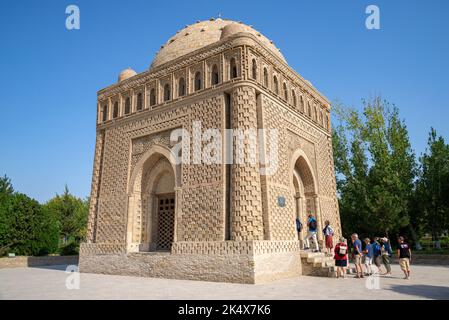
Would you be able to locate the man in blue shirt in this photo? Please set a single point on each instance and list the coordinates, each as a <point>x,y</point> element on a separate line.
<point>312,226</point>
<point>357,254</point>
<point>368,256</point>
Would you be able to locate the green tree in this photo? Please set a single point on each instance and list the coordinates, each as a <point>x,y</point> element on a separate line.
<point>375,168</point>
<point>432,187</point>
<point>72,213</point>
<point>26,228</point>
<point>352,170</point>
<point>6,186</point>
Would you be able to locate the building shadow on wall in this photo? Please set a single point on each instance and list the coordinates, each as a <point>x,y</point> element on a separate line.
<point>423,291</point>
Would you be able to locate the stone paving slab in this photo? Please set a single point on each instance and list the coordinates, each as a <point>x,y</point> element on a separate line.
<point>428,282</point>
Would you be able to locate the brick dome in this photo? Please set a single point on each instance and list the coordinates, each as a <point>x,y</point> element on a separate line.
<point>125,74</point>
<point>203,33</point>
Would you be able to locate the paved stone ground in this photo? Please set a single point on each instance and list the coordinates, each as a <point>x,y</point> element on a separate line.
<point>428,282</point>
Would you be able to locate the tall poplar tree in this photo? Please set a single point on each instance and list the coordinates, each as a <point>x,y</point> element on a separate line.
<point>432,187</point>
<point>375,169</point>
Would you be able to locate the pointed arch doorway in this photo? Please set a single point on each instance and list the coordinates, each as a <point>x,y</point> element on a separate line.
<point>304,192</point>
<point>159,192</point>
<point>153,202</point>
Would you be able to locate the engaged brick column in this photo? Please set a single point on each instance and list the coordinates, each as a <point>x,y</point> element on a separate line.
<point>246,216</point>
<point>95,188</point>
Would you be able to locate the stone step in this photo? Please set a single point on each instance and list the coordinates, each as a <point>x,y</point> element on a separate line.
<point>318,264</point>
<point>328,272</point>
<point>326,264</point>
<point>319,259</point>
<point>309,254</point>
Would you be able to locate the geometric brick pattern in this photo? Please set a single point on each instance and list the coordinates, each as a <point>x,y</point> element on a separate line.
<point>247,222</point>
<point>120,203</point>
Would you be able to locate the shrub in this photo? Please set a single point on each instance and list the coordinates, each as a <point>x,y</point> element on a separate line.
<point>26,228</point>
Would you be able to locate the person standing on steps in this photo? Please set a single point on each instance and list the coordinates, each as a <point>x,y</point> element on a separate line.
<point>405,256</point>
<point>328,233</point>
<point>357,254</point>
<point>312,226</point>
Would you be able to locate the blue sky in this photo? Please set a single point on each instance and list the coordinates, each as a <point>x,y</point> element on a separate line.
<point>50,76</point>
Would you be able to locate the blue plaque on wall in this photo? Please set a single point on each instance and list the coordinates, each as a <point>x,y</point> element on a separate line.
<point>281,201</point>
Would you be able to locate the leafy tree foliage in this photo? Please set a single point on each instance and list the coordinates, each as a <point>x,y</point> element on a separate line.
<point>432,188</point>
<point>72,213</point>
<point>29,228</point>
<point>26,228</point>
<point>375,168</point>
<point>6,186</point>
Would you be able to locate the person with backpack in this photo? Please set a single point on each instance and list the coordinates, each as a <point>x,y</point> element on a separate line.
<point>368,256</point>
<point>377,253</point>
<point>405,256</point>
<point>341,257</point>
<point>328,233</point>
<point>357,254</point>
<point>386,253</point>
<point>311,234</point>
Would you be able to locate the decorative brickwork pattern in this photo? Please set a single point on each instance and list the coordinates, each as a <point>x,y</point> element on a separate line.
<point>212,201</point>
<point>247,223</point>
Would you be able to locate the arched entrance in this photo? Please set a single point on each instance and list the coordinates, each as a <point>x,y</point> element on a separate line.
<point>153,198</point>
<point>158,205</point>
<point>304,191</point>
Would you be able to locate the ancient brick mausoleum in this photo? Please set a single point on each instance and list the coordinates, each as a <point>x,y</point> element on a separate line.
<point>152,216</point>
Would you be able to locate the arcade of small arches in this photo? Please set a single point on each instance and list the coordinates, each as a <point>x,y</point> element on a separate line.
<point>127,103</point>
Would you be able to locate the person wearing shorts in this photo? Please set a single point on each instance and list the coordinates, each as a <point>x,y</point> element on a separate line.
<point>405,256</point>
<point>328,233</point>
<point>357,255</point>
<point>341,257</point>
<point>368,256</point>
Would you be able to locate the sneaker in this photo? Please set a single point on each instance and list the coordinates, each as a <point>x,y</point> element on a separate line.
<point>306,248</point>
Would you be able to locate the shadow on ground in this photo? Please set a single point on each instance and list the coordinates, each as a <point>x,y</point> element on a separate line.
<point>59,267</point>
<point>424,291</point>
<point>52,262</point>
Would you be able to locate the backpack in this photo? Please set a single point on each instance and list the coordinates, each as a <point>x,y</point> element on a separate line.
<point>342,250</point>
<point>312,224</point>
<point>377,249</point>
<point>387,249</point>
<point>298,225</point>
<point>328,228</point>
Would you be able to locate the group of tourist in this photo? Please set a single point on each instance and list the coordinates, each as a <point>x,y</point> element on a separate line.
<point>372,255</point>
